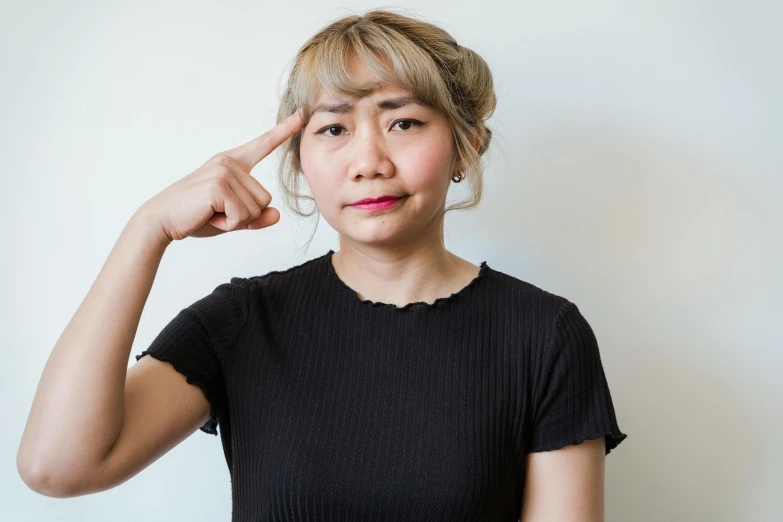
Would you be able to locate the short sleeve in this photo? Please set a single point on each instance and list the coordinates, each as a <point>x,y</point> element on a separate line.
<point>195,341</point>
<point>571,399</point>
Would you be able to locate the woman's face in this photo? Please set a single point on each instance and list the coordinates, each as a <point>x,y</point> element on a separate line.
<point>361,150</point>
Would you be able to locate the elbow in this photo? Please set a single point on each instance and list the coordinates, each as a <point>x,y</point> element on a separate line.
<point>45,481</point>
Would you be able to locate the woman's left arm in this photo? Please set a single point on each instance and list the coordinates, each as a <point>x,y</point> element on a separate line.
<point>565,485</point>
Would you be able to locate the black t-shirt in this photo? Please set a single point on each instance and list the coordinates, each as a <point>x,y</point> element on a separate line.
<point>335,408</point>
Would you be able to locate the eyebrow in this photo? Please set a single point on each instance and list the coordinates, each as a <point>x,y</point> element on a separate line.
<point>384,105</point>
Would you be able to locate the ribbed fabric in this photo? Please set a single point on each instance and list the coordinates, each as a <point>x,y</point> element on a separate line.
<point>335,408</point>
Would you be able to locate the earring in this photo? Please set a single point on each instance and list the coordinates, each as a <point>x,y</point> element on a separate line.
<point>457,179</point>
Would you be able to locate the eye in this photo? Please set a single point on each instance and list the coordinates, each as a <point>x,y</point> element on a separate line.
<point>408,121</point>
<point>413,123</point>
<point>323,131</point>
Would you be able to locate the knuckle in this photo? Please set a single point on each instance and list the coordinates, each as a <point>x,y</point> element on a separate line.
<point>220,159</point>
<point>222,172</point>
<point>224,160</point>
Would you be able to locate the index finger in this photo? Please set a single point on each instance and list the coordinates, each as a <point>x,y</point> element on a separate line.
<point>249,154</point>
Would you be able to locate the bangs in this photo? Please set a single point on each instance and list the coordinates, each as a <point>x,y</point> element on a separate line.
<point>393,61</point>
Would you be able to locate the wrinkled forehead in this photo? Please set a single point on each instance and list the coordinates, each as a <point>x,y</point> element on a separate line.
<point>321,94</point>
<point>388,96</point>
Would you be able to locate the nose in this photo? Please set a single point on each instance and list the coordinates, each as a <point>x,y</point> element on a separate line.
<point>370,156</point>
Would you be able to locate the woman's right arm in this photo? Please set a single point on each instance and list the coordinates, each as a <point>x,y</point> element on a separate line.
<point>71,444</point>
<point>94,422</point>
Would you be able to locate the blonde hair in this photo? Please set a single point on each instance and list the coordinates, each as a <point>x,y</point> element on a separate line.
<point>399,50</point>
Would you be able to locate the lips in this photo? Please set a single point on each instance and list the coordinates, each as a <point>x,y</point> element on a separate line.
<point>376,200</point>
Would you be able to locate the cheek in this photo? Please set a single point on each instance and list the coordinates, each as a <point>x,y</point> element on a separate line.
<point>315,166</point>
<point>428,165</point>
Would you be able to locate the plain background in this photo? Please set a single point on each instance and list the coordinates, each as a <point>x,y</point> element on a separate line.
<point>635,170</point>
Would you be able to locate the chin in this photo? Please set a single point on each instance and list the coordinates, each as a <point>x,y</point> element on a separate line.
<point>376,235</point>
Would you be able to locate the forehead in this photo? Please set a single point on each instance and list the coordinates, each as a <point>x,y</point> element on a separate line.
<point>364,89</point>
<point>338,88</point>
<point>372,89</point>
<point>380,100</point>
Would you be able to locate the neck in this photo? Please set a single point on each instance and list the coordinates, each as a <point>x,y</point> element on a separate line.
<point>418,271</point>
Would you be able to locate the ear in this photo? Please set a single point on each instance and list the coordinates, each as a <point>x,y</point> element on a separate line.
<point>476,142</point>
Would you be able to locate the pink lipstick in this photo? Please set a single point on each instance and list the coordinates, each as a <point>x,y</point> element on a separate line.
<point>381,203</point>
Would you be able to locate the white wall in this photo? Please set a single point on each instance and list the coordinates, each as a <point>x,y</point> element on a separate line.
<point>636,171</point>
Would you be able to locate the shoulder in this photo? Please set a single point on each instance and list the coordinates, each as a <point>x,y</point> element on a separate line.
<point>312,269</point>
<point>557,331</point>
<point>294,273</point>
<point>531,300</point>
<point>233,297</point>
<point>276,284</point>
<point>541,316</point>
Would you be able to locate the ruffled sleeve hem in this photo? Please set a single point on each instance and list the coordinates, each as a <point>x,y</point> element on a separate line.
<point>612,440</point>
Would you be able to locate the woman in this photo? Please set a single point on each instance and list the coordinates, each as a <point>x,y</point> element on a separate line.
<point>391,380</point>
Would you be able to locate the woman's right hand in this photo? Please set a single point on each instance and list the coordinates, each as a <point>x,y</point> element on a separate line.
<point>221,195</point>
